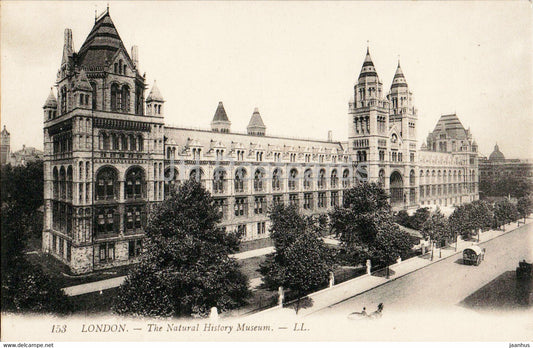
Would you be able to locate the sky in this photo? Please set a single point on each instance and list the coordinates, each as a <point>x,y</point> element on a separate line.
<point>296,61</point>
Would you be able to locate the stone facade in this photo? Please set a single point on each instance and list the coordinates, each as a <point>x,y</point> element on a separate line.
<point>109,157</point>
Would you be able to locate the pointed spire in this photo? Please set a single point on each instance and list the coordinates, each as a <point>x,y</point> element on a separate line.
<point>399,78</point>
<point>220,113</point>
<point>155,94</point>
<point>51,101</point>
<point>368,68</point>
<point>256,125</point>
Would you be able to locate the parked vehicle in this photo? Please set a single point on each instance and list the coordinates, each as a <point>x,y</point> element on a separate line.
<point>473,255</point>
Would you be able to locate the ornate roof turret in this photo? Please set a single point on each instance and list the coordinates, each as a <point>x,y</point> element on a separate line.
<point>256,125</point>
<point>220,121</point>
<point>51,101</point>
<point>399,78</point>
<point>155,94</point>
<point>368,69</point>
<point>82,83</point>
<point>220,113</point>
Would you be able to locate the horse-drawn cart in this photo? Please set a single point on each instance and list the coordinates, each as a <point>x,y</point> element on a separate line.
<point>473,255</point>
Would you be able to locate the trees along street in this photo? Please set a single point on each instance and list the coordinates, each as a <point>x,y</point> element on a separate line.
<point>185,268</point>
<point>301,262</point>
<point>437,229</point>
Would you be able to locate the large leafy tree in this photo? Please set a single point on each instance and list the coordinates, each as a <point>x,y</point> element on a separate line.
<point>366,228</point>
<point>301,261</point>
<point>185,268</point>
<point>504,212</point>
<point>436,228</point>
<point>524,207</point>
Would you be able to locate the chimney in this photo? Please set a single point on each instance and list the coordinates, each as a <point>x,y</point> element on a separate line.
<point>135,56</point>
<point>330,136</point>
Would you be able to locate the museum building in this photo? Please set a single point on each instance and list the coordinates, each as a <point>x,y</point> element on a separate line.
<point>109,157</point>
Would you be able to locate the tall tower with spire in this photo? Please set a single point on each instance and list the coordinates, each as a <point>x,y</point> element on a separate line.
<point>5,146</point>
<point>403,114</point>
<point>368,119</point>
<point>103,160</point>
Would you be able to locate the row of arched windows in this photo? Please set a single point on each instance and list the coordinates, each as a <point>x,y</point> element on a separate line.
<point>259,179</point>
<point>120,141</point>
<point>107,187</point>
<point>62,183</point>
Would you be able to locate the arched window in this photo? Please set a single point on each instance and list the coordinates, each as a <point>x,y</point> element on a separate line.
<point>240,175</point>
<point>196,175</point>
<point>334,179</point>
<point>125,98</point>
<point>94,95</point>
<point>396,188</point>
<point>276,180</point>
<point>171,180</point>
<point>133,145</point>
<point>259,180</point>
<point>219,180</point>
<point>106,184</point>
<point>346,178</point>
<point>62,183</point>
<point>308,179</point>
<point>115,141</point>
<point>321,179</point>
<point>293,179</point>
<point>56,183</point>
<point>123,142</point>
<point>69,182</point>
<point>412,178</point>
<point>140,143</point>
<point>106,141</point>
<point>381,179</point>
<point>135,183</point>
<point>115,97</point>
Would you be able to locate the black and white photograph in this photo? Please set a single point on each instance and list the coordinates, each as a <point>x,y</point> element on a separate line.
<point>257,171</point>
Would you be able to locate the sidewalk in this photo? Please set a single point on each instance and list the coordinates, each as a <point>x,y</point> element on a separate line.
<point>116,282</point>
<point>356,286</point>
<point>94,286</point>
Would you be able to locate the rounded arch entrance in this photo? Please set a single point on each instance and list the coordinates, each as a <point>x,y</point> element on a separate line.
<point>396,188</point>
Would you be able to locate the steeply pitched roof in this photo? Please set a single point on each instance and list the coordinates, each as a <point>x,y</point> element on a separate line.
<point>102,44</point>
<point>452,126</point>
<point>256,121</point>
<point>220,113</point>
<point>368,68</point>
<point>82,83</point>
<point>399,78</point>
<point>5,132</point>
<point>155,94</point>
<point>51,101</point>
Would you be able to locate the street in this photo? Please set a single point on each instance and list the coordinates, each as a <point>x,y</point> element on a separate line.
<point>442,285</point>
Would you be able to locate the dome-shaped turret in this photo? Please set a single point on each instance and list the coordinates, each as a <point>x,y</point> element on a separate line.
<point>496,155</point>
